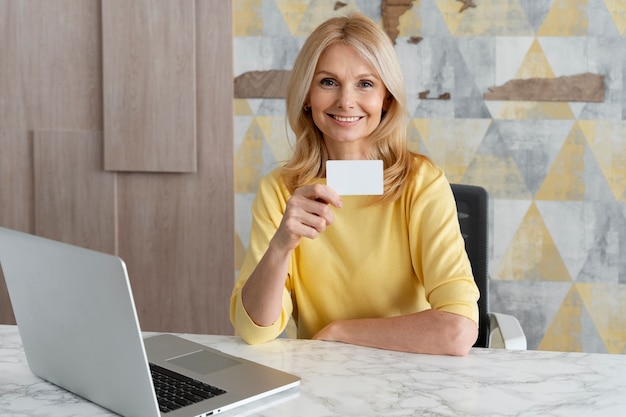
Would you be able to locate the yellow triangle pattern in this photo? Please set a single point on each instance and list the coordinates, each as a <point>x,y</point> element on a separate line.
<point>247,19</point>
<point>292,12</point>
<point>491,18</point>
<point>605,304</point>
<point>274,131</point>
<point>240,252</point>
<point>617,8</point>
<point>241,107</point>
<point>249,161</point>
<point>451,144</point>
<point>413,138</point>
<point>565,18</point>
<point>504,178</point>
<point>318,11</point>
<point>535,64</point>
<point>565,331</point>
<point>565,180</point>
<point>532,254</point>
<point>410,22</point>
<point>607,140</point>
<point>534,110</point>
<point>450,12</point>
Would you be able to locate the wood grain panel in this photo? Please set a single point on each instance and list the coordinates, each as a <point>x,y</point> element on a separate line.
<point>262,84</point>
<point>16,178</point>
<point>74,198</point>
<point>51,62</point>
<point>149,85</point>
<point>16,208</point>
<point>50,75</point>
<point>179,244</point>
<point>216,154</point>
<point>586,87</point>
<point>176,231</point>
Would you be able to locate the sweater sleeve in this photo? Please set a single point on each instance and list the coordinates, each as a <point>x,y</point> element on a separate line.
<point>438,248</point>
<point>267,212</point>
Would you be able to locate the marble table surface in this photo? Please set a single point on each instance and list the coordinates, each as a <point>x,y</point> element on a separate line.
<point>344,380</point>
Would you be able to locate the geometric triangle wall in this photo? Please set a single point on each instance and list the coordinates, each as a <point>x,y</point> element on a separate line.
<point>555,171</point>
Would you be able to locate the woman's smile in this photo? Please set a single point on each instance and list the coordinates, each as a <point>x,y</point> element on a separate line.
<point>346,119</point>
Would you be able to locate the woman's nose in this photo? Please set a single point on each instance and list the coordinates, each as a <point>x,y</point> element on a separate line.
<point>346,98</point>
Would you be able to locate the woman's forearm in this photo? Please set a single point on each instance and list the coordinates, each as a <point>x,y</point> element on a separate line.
<point>262,293</point>
<point>429,331</point>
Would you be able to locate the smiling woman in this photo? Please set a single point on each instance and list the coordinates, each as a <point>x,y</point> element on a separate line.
<point>369,46</point>
<point>347,100</point>
<point>386,271</point>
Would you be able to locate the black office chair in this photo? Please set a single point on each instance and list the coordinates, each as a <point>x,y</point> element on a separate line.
<point>495,329</point>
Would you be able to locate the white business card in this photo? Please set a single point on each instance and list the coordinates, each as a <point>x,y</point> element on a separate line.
<point>349,177</point>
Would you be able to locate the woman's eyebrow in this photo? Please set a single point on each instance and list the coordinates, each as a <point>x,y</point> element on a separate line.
<point>324,72</point>
<point>360,76</point>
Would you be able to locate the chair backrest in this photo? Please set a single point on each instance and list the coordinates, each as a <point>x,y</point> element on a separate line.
<point>472,206</point>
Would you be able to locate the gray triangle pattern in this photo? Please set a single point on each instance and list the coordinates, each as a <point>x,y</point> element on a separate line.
<point>607,54</point>
<point>572,246</point>
<point>605,262</point>
<point>534,144</point>
<point>600,21</point>
<point>273,21</point>
<point>370,8</point>
<point>243,218</point>
<point>435,24</point>
<point>596,186</point>
<point>536,11</point>
<point>507,187</point>
<point>242,124</point>
<point>471,108</point>
<point>416,144</point>
<point>590,338</point>
<point>467,100</point>
<point>434,109</point>
<point>534,304</point>
<point>479,54</point>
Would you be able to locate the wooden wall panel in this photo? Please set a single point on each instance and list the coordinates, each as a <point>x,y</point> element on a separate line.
<point>215,190</point>
<point>75,199</point>
<point>51,61</point>
<point>175,231</point>
<point>16,178</point>
<point>149,85</point>
<point>180,244</point>
<point>16,207</point>
<point>50,75</point>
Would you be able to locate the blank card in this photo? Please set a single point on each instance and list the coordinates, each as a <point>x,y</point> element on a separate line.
<point>355,177</point>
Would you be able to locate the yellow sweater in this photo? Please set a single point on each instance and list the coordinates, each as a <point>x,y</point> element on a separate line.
<point>378,260</point>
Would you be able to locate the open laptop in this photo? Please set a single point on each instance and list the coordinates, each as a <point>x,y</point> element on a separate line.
<point>78,324</point>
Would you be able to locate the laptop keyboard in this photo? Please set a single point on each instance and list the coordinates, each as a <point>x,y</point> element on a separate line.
<point>175,391</point>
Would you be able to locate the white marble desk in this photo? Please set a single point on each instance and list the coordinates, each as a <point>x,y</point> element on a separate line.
<point>343,380</point>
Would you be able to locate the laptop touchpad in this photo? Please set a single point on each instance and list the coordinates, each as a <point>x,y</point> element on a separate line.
<point>203,362</point>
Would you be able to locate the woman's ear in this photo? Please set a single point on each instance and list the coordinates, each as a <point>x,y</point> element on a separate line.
<point>387,102</point>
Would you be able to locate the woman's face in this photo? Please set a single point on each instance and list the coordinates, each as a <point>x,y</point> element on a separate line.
<point>347,98</point>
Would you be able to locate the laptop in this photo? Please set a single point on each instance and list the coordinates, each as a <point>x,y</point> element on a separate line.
<point>78,324</point>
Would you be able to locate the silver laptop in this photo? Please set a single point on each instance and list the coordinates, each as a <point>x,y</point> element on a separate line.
<point>77,320</point>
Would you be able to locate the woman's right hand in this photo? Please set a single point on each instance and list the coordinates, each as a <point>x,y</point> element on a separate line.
<point>307,214</point>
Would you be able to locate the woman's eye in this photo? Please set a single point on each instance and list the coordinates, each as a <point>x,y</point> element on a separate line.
<point>327,82</point>
<point>366,84</point>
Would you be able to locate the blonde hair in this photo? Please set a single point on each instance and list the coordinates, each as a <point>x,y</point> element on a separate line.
<point>388,139</point>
